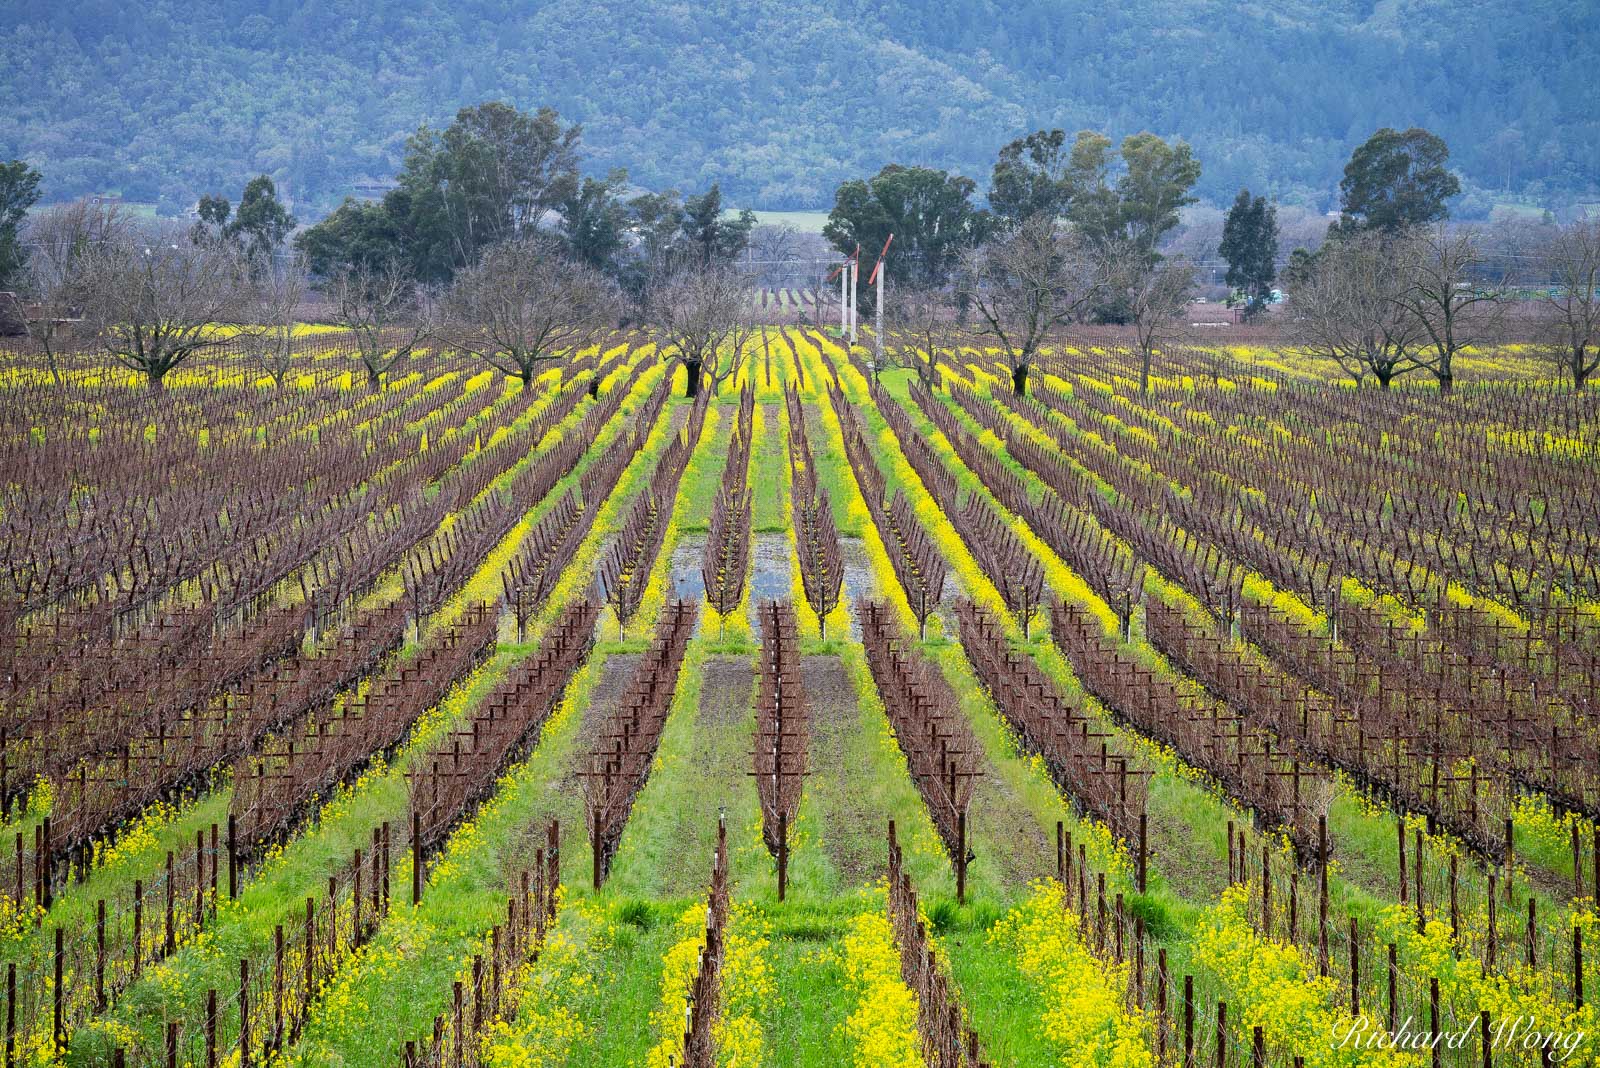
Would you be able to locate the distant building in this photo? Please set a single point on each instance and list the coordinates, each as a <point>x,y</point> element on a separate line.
<point>374,188</point>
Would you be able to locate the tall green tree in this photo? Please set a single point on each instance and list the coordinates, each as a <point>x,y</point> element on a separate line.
<point>656,222</point>
<point>1031,177</point>
<point>493,173</point>
<point>19,191</point>
<point>929,212</point>
<point>358,233</point>
<point>594,221</point>
<point>1395,181</point>
<point>1157,180</point>
<point>1250,245</point>
<point>211,215</point>
<point>261,222</point>
<point>709,233</point>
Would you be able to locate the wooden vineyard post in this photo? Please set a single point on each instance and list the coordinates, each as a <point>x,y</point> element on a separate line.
<point>138,926</point>
<point>376,874</point>
<point>1485,1041</point>
<point>1355,967</point>
<point>1577,967</point>
<point>554,878</point>
<point>1433,1018</point>
<point>211,1029</point>
<point>1161,1004</point>
<point>1144,853</point>
<point>1100,921</point>
<point>1188,1021</point>
<point>1494,924</point>
<point>1322,896</point>
<point>1394,979</point>
<point>1455,904</point>
<point>1061,858</point>
<point>172,1044</point>
<point>459,1017</point>
<point>594,850</point>
<point>59,1033</point>
<point>1118,919</point>
<point>277,985</point>
<point>1400,828</point>
<point>311,949</point>
<point>1266,890</point>
<point>199,876</point>
<point>1416,871</point>
<point>1138,961</point>
<point>1511,852</point>
<point>100,955</point>
<point>1577,862</point>
<point>11,1015</point>
<point>1259,1049</point>
<point>170,941</point>
<point>961,856</point>
<point>416,858</point>
<point>46,872</point>
<point>244,1012</point>
<point>1533,934</point>
<point>233,857</point>
<point>783,853</point>
<point>1222,1034</point>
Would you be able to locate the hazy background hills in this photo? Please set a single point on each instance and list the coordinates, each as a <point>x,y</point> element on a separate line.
<point>163,100</point>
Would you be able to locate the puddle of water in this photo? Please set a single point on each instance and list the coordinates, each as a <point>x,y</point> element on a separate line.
<point>687,558</point>
<point>857,579</point>
<point>769,576</point>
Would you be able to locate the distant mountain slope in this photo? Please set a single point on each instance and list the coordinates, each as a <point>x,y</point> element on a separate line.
<point>163,100</point>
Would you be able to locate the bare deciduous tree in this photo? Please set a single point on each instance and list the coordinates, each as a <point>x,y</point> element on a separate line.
<point>1447,297</point>
<point>1026,283</point>
<point>1349,310</point>
<point>1571,313</point>
<point>703,319</point>
<point>61,237</point>
<point>1153,294</point>
<point>525,304</point>
<point>386,312</point>
<point>775,248</point>
<point>920,325</point>
<point>268,337</point>
<point>153,299</point>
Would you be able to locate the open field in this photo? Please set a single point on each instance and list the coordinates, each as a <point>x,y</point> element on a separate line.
<point>828,718</point>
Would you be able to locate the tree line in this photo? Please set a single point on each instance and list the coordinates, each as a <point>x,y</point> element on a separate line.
<point>493,244</point>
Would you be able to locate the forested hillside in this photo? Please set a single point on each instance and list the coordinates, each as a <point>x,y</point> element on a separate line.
<point>165,100</point>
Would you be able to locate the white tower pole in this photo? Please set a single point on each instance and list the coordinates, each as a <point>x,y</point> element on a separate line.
<point>877,329</point>
<point>844,300</point>
<point>855,268</point>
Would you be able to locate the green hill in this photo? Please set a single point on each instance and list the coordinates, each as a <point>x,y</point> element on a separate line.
<point>164,100</point>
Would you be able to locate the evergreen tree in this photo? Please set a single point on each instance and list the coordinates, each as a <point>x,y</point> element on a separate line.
<point>19,191</point>
<point>713,238</point>
<point>594,221</point>
<point>261,222</point>
<point>1250,245</point>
